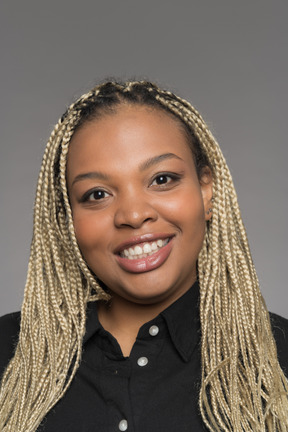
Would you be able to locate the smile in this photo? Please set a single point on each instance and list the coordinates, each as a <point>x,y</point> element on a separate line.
<point>145,256</point>
<point>143,250</point>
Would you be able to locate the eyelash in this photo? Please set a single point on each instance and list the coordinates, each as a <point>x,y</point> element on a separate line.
<point>174,178</point>
<point>88,194</point>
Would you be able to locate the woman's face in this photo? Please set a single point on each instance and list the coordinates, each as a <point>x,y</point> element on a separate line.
<point>138,207</point>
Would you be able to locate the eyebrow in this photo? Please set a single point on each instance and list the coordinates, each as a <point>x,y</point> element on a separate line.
<point>98,175</point>
<point>154,160</point>
<point>90,175</point>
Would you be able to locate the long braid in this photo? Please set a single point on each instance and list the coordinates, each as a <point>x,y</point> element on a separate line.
<point>243,386</point>
<point>53,312</point>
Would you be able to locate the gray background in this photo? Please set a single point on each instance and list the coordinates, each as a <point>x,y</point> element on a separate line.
<point>229,58</point>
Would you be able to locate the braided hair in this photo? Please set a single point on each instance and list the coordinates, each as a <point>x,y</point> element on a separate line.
<point>243,387</point>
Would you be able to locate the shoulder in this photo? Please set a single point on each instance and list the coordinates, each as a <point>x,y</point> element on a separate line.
<point>280,332</point>
<point>9,330</point>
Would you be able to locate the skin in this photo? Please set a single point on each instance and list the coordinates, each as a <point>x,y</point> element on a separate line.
<point>120,190</point>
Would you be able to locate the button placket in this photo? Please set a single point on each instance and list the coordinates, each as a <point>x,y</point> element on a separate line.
<point>153,331</point>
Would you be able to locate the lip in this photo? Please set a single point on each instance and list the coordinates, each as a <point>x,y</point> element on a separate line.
<point>149,237</point>
<point>149,263</point>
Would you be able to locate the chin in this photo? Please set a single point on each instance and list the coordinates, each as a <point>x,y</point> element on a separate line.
<point>153,294</point>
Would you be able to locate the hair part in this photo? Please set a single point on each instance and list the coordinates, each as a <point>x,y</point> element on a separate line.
<point>243,386</point>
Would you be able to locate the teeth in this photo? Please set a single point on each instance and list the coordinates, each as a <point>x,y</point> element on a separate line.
<point>154,246</point>
<point>138,252</point>
<point>147,248</point>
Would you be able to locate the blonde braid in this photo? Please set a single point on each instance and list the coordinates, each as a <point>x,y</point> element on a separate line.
<point>243,386</point>
<point>53,313</point>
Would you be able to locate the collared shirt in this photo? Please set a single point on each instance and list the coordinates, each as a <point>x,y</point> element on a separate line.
<point>156,388</point>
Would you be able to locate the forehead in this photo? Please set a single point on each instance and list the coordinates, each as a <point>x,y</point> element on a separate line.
<point>130,134</point>
<point>125,115</point>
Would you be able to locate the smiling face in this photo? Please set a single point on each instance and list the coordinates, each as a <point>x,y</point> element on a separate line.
<point>138,207</point>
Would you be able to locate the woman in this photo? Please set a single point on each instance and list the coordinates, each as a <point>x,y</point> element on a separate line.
<point>135,210</point>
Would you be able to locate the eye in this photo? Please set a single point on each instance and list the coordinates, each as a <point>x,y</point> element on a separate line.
<point>161,179</point>
<point>164,179</point>
<point>94,195</point>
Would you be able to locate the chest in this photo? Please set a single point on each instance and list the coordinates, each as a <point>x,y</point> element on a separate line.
<point>154,389</point>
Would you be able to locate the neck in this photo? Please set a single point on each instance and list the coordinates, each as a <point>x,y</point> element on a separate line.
<point>123,318</point>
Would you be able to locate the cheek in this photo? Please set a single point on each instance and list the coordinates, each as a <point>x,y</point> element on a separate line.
<point>87,232</point>
<point>192,224</point>
<point>188,210</point>
<point>195,224</point>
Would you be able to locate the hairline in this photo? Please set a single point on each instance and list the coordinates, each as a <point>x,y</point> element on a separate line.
<point>107,111</point>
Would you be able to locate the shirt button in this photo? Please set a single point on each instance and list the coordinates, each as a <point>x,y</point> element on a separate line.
<point>153,330</point>
<point>142,361</point>
<point>123,425</point>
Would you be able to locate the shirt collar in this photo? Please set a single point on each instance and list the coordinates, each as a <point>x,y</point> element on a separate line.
<point>183,322</point>
<point>181,317</point>
<point>92,322</point>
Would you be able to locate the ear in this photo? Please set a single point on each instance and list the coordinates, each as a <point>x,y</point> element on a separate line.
<point>206,184</point>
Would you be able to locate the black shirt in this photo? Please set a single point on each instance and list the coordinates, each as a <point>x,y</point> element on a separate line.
<point>155,389</point>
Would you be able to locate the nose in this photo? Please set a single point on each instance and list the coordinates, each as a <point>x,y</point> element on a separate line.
<point>134,211</point>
